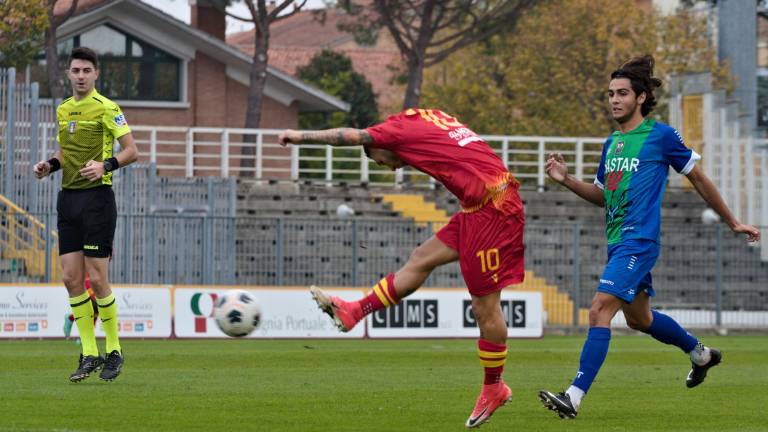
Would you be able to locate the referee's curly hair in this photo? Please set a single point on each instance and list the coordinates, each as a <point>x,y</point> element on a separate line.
<point>639,72</point>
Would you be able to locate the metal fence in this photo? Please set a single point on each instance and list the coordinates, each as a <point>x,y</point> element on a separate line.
<point>138,190</point>
<point>738,164</point>
<point>256,154</point>
<point>184,248</point>
<point>705,276</point>
<point>179,249</point>
<point>149,207</point>
<point>175,226</point>
<point>24,138</point>
<point>732,156</point>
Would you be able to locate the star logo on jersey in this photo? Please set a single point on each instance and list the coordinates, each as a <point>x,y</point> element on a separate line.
<point>619,148</point>
<point>495,278</point>
<point>71,127</point>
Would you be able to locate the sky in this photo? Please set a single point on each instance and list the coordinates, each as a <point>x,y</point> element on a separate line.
<point>180,10</point>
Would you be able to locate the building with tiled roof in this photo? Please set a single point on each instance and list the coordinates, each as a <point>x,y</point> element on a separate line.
<point>164,72</point>
<point>177,72</point>
<point>296,39</point>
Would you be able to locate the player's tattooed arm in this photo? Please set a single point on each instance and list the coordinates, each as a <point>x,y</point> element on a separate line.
<point>340,137</point>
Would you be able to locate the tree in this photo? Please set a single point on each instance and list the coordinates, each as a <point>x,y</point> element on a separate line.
<point>332,72</point>
<point>55,81</point>
<point>684,45</point>
<point>537,81</point>
<point>428,31</point>
<point>261,16</point>
<point>22,27</point>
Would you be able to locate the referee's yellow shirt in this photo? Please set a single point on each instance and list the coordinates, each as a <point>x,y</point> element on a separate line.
<point>87,129</point>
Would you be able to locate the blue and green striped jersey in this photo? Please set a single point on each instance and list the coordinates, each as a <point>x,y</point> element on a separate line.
<point>633,173</point>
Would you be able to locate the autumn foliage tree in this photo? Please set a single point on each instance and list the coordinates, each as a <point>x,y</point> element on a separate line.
<point>22,27</point>
<point>26,27</point>
<point>549,76</point>
<point>427,31</point>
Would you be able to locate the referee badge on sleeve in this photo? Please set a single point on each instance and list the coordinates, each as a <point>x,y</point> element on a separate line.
<point>71,127</point>
<point>120,120</point>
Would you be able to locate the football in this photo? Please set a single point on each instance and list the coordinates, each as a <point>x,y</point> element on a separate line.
<point>237,313</point>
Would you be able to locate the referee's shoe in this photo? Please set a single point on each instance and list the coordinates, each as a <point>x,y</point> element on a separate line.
<point>113,364</point>
<point>86,366</point>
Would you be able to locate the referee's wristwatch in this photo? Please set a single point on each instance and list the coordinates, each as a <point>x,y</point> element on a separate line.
<point>110,164</point>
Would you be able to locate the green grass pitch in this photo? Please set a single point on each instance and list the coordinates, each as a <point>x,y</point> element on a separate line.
<point>362,385</point>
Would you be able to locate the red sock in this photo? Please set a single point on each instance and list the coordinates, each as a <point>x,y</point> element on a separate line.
<point>381,296</point>
<point>492,357</point>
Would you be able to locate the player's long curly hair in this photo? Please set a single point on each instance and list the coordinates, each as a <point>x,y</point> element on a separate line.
<point>639,72</point>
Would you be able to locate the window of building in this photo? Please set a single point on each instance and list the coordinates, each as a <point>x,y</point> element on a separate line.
<point>762,68</point>
<point>762,97</point>
<point>129,68</point>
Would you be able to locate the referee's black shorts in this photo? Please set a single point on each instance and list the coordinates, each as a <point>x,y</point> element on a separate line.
<point>87,219</point>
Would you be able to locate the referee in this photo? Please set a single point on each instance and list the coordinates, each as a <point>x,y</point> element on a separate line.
<point>88,124</point>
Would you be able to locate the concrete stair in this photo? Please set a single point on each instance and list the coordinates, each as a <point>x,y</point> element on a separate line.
<point>415,207</point>
<point>683,276</point>
<point>308,201</point>
<point>557,304</point>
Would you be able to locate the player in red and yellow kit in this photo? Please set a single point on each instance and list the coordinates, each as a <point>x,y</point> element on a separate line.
<point>486,237</point>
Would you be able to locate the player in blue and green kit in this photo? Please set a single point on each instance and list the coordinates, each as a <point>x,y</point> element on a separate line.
<point>630,184</point>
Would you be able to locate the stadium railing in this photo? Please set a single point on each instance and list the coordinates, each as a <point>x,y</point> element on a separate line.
<point>255,153</point>
<point>738,166</point>
<point>24,237</point>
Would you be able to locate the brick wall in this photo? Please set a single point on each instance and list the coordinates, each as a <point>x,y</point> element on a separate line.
<point>210,92</point>
<point>208,19</point>
<point>274,115</point>
<point>215,101</point>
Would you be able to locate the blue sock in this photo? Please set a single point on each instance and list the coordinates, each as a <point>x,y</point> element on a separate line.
<point>665,329</point>
<point>592,356</point>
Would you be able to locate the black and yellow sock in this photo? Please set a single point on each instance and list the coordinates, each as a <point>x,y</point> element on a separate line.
<point>82,310</point>
<point>108,315</point>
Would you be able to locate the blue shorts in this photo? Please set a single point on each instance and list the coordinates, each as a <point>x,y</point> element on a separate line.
<point>628,270</point>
